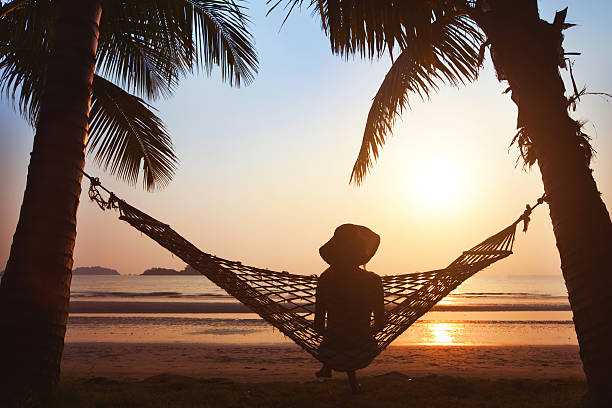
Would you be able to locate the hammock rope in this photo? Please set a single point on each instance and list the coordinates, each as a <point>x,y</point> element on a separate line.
<point>287,300</point>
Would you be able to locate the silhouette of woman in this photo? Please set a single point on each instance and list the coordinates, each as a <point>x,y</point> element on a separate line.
<point>348,296</point>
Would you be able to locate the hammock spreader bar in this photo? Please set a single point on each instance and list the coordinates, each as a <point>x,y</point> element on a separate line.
<point>286,300</point>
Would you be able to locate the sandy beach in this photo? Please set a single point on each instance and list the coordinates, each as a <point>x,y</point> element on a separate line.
<point>265,363</point>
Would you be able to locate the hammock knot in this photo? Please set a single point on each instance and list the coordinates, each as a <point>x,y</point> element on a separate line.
<point>528,209</point>
<point>525,217</point>
<point>96,196</point>
<point>113,201</point>
<point>543,199</point>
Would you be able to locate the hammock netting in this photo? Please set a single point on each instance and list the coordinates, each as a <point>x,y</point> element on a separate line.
<point>286,300</point>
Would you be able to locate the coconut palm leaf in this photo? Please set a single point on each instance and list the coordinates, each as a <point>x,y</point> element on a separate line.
<point>138,50</point>
<point>449,55</point>
<point>25,27</point>
<point>437,40</point>
<point>366,27</point>
<point>124,130</point>
<point>149,45</point>
<point>125,134</point>
<point>369,28</point>
<point>145,46</point>
<point>221,38</point>
<point>437,43</point>
<point>21,77</point>
<point>135,54</point>
<point>27,20</point>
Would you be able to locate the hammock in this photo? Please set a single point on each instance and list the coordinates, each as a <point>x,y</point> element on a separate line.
<point>286,300</point>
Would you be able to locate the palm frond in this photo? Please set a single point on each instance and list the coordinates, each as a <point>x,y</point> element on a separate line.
<point>123,129</point>
<point>125,134</point>
<point>146,46</point>
<point>221,38</point>
<point>21,79</point>
<point>448,55</point>
<point>149,45</point>
<point>137,50</point>
<point>25,28</point>
<point>369,28</point>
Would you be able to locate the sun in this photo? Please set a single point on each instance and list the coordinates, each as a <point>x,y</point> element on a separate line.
<point>436,183</point>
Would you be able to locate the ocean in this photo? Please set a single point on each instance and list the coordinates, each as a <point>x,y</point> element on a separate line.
<point>484,310</point>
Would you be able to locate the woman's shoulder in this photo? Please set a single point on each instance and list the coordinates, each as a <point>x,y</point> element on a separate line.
<point>325,273</point>
<point>370,274</point>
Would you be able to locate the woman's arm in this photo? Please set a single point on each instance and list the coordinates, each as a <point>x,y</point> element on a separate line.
<point>320,310</point>
<point>379,306</point>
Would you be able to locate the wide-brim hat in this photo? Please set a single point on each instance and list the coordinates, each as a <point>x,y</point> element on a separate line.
<point>351,245</point>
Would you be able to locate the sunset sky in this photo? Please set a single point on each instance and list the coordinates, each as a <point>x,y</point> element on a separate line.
<point>264,169</point>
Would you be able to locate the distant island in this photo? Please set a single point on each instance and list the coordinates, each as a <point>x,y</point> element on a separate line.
<point>173,272</point>
<point>94,270</point>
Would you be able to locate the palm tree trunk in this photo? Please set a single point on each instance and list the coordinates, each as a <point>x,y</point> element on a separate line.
<point>527,53</point>
<point>35,288</point>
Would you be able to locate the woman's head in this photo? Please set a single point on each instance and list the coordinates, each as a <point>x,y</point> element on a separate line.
<point>351,245</point>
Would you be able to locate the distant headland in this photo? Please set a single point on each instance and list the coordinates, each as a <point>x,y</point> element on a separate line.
<point>100,270</point>
<point>173,272</point>
<point>94,270</point>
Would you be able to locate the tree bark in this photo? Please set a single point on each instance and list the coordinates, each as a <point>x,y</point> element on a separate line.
<point>35,288</point>
<point>527,53</point>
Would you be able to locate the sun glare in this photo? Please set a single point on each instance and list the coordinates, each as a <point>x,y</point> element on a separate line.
<point>443,333</point>
<point>436,183</point>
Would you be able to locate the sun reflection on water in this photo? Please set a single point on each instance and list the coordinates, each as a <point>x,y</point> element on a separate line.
<point>443,333</point>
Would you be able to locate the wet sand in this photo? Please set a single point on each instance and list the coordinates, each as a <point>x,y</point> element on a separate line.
<point>264,363</point>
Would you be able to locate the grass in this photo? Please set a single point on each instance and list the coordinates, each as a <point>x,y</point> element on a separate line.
<point>390,390</point>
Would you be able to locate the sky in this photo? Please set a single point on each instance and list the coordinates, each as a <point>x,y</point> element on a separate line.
<point>264,169</point>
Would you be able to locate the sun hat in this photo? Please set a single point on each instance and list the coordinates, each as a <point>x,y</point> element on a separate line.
<point>351,245</point>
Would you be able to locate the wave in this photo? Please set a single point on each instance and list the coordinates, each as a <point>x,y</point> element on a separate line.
<point>172,295</point>
<point>84,306</point>
<point>181,295</point>
<point>167,321</point>
<point>520,307</point>
<point>258,323</point>
<point>507,295</point>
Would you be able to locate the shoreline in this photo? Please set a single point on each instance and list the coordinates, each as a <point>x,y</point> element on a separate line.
<point>121,306</point>
<point>287,362</point>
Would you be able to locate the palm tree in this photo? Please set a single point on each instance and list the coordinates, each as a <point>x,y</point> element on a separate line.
<point>76,68</point>
<point>439,42</point>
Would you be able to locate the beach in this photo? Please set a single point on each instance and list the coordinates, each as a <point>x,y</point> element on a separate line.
<point>221,375</point>
<point>160,341</point>
<point>272,363</point>
<point>186,326</point>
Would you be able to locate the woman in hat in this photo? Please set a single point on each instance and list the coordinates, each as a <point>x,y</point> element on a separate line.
<point>348,296</point>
